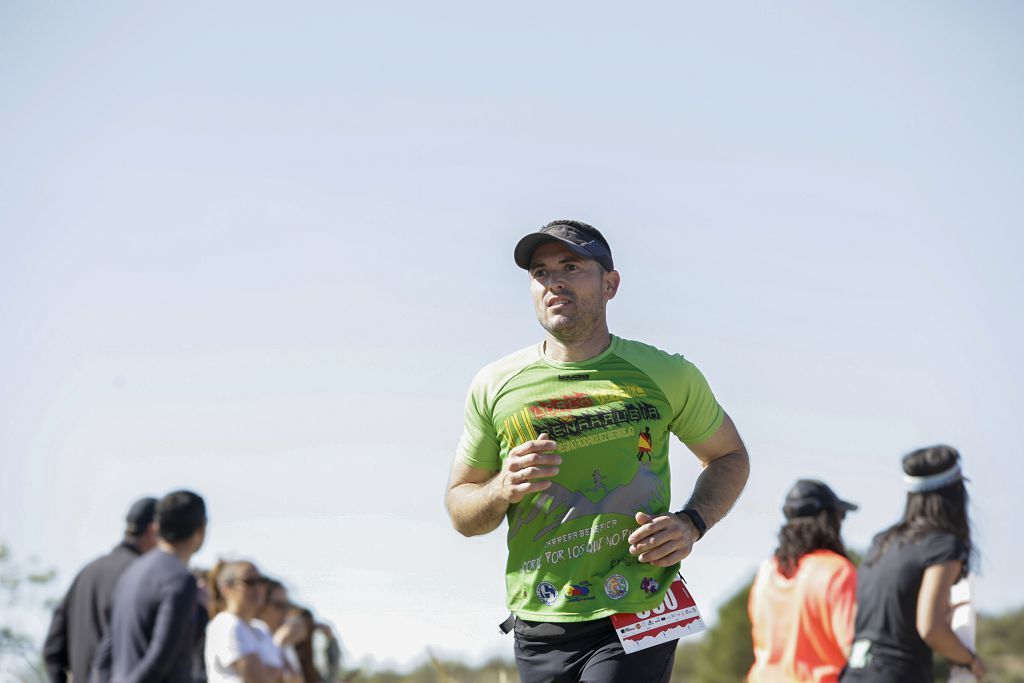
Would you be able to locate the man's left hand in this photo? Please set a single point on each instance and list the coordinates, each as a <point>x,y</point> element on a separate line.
<point>662,540</point>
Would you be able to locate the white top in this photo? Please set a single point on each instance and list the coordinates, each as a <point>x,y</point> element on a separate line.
<point>270,653</point>
<point>291,658</point>
<point>228,639</point>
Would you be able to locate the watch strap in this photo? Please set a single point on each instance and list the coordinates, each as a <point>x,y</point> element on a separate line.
<point>697,520</point>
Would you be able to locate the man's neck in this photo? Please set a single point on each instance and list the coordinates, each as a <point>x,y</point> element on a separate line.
<point>182,552</point>
<point>570,352</point>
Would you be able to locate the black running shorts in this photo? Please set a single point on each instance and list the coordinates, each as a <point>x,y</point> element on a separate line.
<point>586,652</point>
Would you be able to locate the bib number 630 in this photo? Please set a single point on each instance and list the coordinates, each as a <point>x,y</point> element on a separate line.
<point>669,603</point>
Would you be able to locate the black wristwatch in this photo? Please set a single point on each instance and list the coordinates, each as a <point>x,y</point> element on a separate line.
<point>697,520</point>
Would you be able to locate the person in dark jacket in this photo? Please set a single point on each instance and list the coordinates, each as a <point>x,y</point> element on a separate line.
<point>152,624</point>
<point>81,618</point>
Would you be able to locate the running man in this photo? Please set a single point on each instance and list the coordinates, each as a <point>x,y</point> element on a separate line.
<point>529,449</point>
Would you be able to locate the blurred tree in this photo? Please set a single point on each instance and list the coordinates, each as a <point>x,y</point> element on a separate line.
<point>1001,645</point>
<point>21,594</point>
<point>728,648</point>
<point>687,654</point>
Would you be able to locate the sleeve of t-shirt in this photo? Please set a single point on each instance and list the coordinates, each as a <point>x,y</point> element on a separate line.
<point>842,602</point>
<point>230,640</point>
<point>479,446</point>
<point>270,653</point>
<point>697,413</point>
<point>940,548</point>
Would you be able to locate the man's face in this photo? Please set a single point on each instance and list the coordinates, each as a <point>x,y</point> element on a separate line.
<point>569,292</point>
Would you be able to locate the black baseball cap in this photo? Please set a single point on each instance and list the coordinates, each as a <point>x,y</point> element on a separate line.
<point>140,515</point>
<point>585,240</point>
<point>810,496</point>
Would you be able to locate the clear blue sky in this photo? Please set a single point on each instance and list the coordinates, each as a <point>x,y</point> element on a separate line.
<point>260,251</point>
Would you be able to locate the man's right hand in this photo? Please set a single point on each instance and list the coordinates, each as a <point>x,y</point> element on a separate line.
<point>527,469</point>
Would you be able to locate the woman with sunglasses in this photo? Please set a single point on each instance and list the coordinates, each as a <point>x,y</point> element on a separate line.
<point>903,585</point>
<point>282,629</point>
<point>237,651</point>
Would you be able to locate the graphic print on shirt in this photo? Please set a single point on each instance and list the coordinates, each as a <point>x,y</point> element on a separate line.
<point>565,543</point>
<point>559,505</point>
<point>644,445</point>
<point>569,421</point>
<point>582,419</point>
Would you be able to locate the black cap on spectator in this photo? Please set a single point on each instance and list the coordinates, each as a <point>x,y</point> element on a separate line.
<point>810,496</point>
<point>140,515</point>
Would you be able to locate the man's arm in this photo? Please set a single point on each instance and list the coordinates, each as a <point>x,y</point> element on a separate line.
<point>102,661</point>
<point>55,649</point>
<point>667,539</point>
<point>478,499</point>
<point>726,467</point>
<point>168,644</point>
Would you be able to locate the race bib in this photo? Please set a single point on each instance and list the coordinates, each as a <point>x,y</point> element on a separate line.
<point>675,617</point>
<point>860,654</point>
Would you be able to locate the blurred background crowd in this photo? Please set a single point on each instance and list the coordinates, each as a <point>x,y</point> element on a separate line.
<point>125,612</point>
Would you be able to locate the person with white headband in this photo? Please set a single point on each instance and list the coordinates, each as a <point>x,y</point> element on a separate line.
<point>903,586</point>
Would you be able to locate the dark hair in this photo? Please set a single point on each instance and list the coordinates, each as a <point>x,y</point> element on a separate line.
<point>802,535</point>
<point>943,509</point>
<point>272,585</point>
<point>304,648</point>
<point>180,514</point>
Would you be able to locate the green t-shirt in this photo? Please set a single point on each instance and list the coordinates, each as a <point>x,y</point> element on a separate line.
<point>568,553</point>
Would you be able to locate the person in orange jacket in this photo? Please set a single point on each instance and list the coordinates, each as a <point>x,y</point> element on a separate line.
<point>803,599</point>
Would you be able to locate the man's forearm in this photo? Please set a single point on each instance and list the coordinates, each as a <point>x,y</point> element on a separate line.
<point>475,509</point>
<point>719,485</point>
<point>55,648</point>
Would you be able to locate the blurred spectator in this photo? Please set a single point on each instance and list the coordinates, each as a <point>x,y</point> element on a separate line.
<point>152,622</point>
<point>202,620</point>
<point>303,649</point>
<point>903,589</point>
<point>327,652</point>
<point>236,650</point>
<point>802,601</point>
<point>82,617</point>
<point>283,627</point>
<point>327,656</point>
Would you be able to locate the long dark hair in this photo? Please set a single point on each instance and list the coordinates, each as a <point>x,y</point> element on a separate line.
<point>943,509</point>
<point>304,648</point>
<point>802,535</point>
<point>272,585</point>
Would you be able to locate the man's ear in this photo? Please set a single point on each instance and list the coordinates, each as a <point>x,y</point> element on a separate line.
<point>611,284</point>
